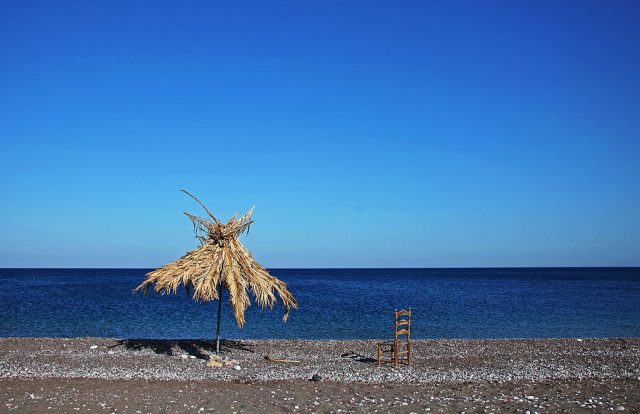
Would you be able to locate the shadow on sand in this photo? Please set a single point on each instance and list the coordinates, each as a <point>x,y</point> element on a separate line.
<point>359,358</point>
<point>200,348</point>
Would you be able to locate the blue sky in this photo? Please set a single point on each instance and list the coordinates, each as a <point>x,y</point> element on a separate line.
<point>367,134</point>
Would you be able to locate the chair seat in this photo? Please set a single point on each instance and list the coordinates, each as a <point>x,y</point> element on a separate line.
<point>391,342</point>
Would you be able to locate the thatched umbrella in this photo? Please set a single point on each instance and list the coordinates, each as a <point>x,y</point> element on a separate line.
<point>221,261</point>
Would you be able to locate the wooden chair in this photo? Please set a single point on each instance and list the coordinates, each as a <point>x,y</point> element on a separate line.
<point>402,339</point>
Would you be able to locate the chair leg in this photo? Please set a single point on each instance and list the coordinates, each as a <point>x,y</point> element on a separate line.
<point>395,355</point>
<point>409,353</point>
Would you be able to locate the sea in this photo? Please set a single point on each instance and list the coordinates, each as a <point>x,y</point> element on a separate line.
<point>333,304</point>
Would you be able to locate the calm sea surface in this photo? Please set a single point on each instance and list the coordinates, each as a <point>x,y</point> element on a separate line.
<point>334,304</point>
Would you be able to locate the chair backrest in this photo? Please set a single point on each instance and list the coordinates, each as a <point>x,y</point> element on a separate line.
<point>403,323</point>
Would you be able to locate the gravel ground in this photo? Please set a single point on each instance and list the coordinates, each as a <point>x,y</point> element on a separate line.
<point>440,361</point>
<point>111,375</point>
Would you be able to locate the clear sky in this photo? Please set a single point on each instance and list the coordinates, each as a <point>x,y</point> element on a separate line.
<point>367,134</point>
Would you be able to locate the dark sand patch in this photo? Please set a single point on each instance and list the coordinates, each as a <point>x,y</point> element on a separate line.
<point>132,396</point>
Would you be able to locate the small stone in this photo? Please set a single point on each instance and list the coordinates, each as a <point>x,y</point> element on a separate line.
<point>531,398</point>
<point>214,363</point>
<point>237,368</point>
<point>110,352</point>
<point>192,357</point>
<point>93,347</point>
<point>316,378</point>
<point>619,408</point>
<point>184,356</point>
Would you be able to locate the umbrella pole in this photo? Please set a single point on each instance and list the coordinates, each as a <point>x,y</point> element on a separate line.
<point>218,325</point>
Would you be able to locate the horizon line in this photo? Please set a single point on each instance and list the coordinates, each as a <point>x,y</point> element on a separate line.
<point>344,268</point>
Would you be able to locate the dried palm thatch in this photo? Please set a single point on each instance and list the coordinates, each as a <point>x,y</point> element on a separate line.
<point>221,261</point>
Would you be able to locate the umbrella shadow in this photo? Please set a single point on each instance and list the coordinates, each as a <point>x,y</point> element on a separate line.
<point>359,358</point>
<point>200,348</point>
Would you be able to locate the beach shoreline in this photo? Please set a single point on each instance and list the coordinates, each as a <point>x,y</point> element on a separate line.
<point>458,374</point>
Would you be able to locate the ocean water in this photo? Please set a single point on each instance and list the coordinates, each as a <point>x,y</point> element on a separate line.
<point>334,304</point>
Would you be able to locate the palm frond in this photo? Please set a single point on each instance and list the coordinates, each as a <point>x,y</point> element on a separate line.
<point>221,259</point>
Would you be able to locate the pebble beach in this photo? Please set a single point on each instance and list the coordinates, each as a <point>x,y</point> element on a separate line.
<point>142,375</point>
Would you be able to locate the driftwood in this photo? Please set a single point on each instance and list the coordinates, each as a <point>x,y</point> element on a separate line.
<point>289,361</point>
